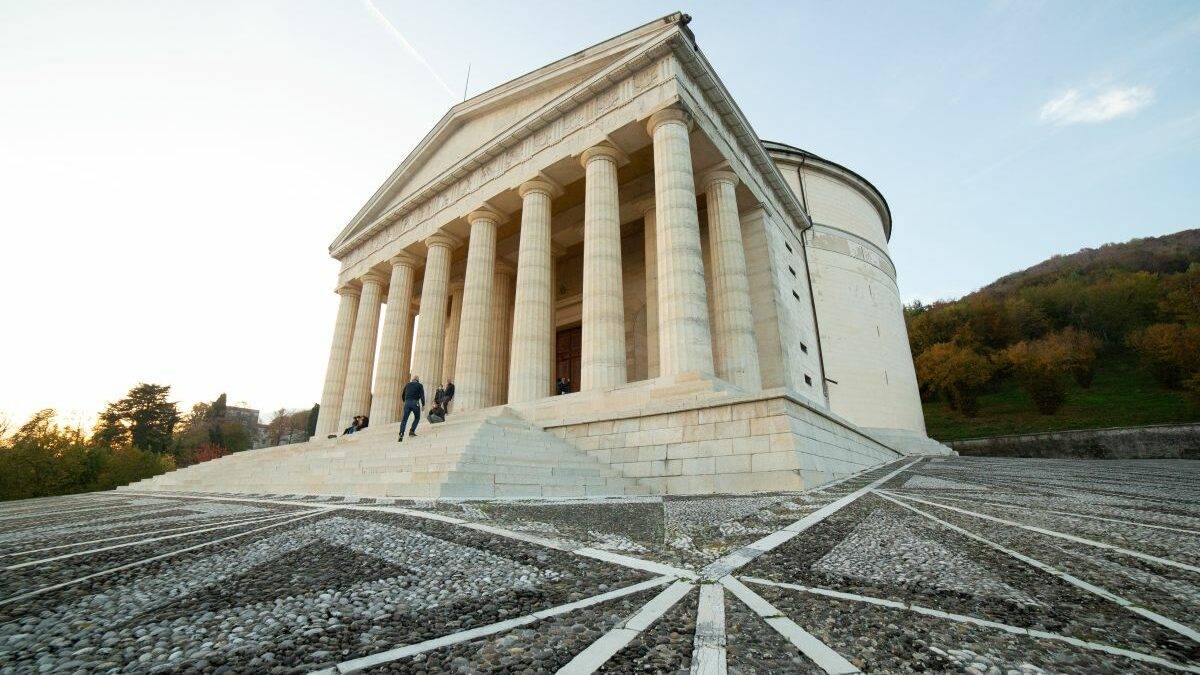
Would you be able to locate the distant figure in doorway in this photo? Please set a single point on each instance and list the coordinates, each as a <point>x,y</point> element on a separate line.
<point>449,395</point>
<point>563,386</point>
<point>414,399</point>
<point>437,414</point>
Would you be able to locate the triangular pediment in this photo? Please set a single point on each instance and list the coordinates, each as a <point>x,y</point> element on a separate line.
<point>476,121</point>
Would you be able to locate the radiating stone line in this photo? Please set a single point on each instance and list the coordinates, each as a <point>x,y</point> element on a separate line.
<point>708,645</point>
<point>726,565</point>
<point>599,652</point>
<point>1182,629</point>
<point>1060,535</point>
<point>197,527</point>
<point>963,618</point>
<point>820,653</point>
<point>45,589</point>
<point>356,665</point>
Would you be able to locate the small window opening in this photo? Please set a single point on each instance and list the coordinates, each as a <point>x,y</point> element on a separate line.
<point>808,380</point>
<point>794,295</point>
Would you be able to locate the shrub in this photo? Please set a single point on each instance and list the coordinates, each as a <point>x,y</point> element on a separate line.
<point>1040,367</point>
<point>956,372</point>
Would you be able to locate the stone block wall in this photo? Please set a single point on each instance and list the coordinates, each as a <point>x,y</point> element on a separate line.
<point>1167,441</point>
<point>765,443</point>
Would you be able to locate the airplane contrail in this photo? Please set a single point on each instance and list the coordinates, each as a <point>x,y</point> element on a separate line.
<point>407,45</point>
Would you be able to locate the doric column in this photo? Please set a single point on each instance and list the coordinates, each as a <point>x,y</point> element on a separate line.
<point>472,371</point>
<point>603,295</point>
<point>356,400</point>
<point>530,373</point>
<point>431,329</point>
<point>502,314</point>
<point>451,348</point>
<point>406,362</point>
<point>684,339</point>
<point>391,375</point>
<point>646,207</point>
<point>733,323</point>
<point>339,356</point>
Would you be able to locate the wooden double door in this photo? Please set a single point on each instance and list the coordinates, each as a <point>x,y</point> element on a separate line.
<point>568,355</point>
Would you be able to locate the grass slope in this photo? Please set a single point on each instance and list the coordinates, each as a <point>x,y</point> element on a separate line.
<point>1122,394</point>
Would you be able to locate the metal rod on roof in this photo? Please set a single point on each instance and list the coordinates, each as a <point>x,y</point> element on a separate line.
<point>467,82</point>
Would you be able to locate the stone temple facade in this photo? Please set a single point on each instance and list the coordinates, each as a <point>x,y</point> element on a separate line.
<point>724,307</point>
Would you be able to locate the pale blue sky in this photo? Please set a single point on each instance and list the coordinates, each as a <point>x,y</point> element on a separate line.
<point>172,172</point>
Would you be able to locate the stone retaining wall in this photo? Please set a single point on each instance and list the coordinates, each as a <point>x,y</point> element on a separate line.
<point>771,442</point>
<point>1167,441</point>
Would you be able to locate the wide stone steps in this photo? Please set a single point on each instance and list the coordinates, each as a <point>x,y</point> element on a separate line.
<point>484,455</point>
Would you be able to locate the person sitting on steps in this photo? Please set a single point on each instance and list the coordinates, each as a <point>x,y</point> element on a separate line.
<point>437,414</point>
<point>414,399</point>
<point>354,426</point>
<point>448,396</point>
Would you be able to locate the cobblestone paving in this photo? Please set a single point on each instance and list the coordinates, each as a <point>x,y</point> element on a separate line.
<point>972,565</point>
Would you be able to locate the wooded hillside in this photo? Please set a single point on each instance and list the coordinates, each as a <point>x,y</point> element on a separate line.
<point>1102,337</point>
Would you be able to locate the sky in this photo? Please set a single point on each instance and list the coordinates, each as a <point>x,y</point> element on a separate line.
<point>172,172</point>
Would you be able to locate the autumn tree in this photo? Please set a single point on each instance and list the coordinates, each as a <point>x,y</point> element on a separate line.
<point>1171,351</point>
<point>957,372</point>
<point>143,419</point>
<point>1041,368</point>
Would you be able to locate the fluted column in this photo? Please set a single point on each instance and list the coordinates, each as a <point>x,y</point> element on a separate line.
<point>603,296</point>
<point>646,206</point>
<point>530,374</point>
<point>406,362</point>
<point>431,329</point>
<point>390,376</point>
<point>356,400</point>
<point>472,371</point>
<point>451,348</point>
<point>733,324</point>
<point>339,356</point>
<point>502,314</point>
<point>684,338</point>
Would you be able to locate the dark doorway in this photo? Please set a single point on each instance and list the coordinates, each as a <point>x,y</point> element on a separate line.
<point>568,355</point>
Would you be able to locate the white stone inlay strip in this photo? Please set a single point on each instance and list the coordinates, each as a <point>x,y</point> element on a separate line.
<point>1068,513</point>
<point>55,512</point>
<point>1061,535</point>
<point>963,618</point>
<point>356,665</point>
<point>599,652</point>
<point>45,589</point>
<point>1161,620</point>
<point>635,563</point>
<point>708,647</point>
<point>34,563</point>
<point>726,565</point>
<point>819,652</point>
<point>193,526</point>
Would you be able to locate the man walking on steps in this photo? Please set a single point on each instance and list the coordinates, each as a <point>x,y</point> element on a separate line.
<point>414,399</point>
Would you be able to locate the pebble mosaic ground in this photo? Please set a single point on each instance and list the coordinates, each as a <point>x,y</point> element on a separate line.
<point>982,566</point>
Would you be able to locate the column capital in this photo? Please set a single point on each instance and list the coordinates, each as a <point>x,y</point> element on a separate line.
<point>487,213</point>
<point>722,175</point>
<point>349,288</point>
<point>540,184</point>
<point>404,259</point>
<point>674,113</point>
<point>441,238</point>
<point>373,277</point>
<point>603,150</point>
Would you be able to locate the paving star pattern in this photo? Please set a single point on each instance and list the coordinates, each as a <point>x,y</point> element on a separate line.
<point>983,566</point>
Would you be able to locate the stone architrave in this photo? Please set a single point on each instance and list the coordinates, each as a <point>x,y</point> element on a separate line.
<point>472,371</point>
<point>339,357</point>
<point>733,322</point>
<point>684,337</point>
<point>530,373</point>
<point>390,376</point>
<point>427,352</point>
<point>603,311</point>
<point>451,348</point>
<point>502,315</point>
<point>356,400</point>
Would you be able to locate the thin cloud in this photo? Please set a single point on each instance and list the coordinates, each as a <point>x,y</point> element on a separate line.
<point>391,28</point>
<point>1094,107</point>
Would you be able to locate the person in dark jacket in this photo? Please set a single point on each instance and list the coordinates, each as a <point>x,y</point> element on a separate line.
<point>437,414</point>
<point>414,399</point>
<point>563,386</point>
<point>448,395</point>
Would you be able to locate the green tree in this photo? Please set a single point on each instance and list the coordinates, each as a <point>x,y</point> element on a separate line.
<point>143,419</point>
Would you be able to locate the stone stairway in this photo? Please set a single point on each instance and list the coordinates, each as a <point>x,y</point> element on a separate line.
<point>488,454</point>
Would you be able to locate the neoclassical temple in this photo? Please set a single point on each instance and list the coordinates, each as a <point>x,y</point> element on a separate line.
<point>724,308</point>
